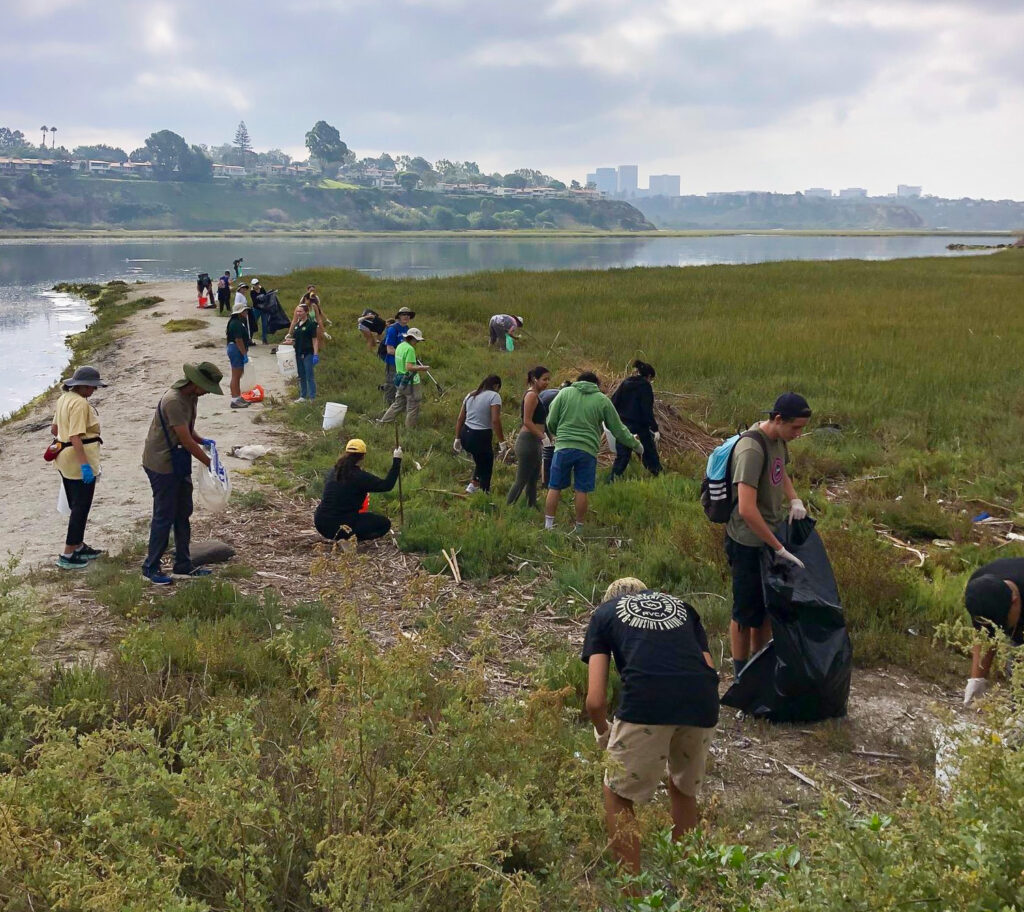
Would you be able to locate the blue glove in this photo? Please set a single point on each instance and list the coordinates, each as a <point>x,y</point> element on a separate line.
<point>315,360</point>
<point>88,475</point>
<point>206,441</point>
<point>245,359</point>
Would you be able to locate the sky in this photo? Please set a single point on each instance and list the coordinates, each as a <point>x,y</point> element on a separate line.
<point>776,95</point>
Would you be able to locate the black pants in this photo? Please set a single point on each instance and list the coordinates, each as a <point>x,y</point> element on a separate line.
<point>650,459</point>
<point>364,526</point>
<point>479,445</point>
<point>172,508</point>
<point>79,496</point>
<point>748,609</point>
<point>223,301</point>
<point>549,454</point>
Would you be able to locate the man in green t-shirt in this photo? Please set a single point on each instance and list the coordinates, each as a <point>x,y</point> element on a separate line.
<point>764,497</point>
<point>409,390</point>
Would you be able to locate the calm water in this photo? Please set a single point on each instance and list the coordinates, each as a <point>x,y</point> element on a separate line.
<point>34,322</point>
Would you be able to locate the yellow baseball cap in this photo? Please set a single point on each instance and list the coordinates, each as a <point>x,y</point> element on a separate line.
<point>355,445</point>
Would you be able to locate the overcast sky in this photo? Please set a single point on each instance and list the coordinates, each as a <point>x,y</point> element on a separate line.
<point>731,94</point>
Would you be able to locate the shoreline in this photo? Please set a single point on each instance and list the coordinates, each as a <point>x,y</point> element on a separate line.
<point>57,235</point>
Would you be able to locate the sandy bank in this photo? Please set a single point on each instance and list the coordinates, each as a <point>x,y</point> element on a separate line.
<point>139,366</point>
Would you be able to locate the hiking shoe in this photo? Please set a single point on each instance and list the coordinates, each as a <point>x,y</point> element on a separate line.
<point>89,553</point>
<point>72,562</point>
<point>239,403</point>
<point>158,579</point>
<point>195,571</point>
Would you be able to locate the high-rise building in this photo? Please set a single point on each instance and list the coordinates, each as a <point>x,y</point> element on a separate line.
<point>853,193</point>
<point>664,185</point>
<point>607,180</point>
<point>820,192</point>
<point>627,182</point>
<point>592,179</point>
<point>908,191</point>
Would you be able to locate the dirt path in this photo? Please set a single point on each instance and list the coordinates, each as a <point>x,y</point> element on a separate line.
<point>139,367</point>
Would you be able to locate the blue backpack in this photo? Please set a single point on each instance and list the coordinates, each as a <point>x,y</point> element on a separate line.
<point>717,494</point>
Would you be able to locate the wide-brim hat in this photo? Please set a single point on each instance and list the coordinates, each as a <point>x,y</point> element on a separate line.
<point>240,307</point>
<point>205,375</point>
<point>405,311</point>
<point>84,376</point>
<point>414,333</point>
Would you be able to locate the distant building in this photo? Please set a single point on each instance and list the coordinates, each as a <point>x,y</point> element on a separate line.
<point>627,180</point>
<point>664,185</point>
<point>607,180</point>
<point>820,192</point>
<point>228,171</point>
<point>908,191</point>
<point>853,193</point>
<point>591,179</point>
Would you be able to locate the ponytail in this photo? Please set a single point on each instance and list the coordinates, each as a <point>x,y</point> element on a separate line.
<point>536,373</point>
<point>644,369</point>
<point>490,382</point>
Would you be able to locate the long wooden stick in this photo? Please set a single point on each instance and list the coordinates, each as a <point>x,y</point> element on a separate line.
<point>401,501</point>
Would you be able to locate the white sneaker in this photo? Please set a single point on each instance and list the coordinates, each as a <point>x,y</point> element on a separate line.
<point>300,399</point>
<point>471,488</point>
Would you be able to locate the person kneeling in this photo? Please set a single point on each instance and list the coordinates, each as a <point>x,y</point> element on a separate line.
<point>345,491</point>
<point>669,709</point>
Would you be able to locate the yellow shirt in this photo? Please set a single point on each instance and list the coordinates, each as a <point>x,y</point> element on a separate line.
<point>74,416</point>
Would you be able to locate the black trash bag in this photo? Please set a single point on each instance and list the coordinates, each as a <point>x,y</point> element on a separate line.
<point>269,304</point>
<point>803,674</point>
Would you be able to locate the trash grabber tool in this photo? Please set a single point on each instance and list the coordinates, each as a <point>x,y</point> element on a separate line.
<point>401,501</point>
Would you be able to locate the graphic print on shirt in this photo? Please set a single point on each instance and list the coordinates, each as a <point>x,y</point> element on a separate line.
<point>777,470</point>
<point>651,612</point>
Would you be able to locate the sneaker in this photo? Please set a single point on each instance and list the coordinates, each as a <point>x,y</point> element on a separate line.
<point>89,553</point>
<point>471,488</point>
<point>239,403</point>
<point>72,562</point>
<point>195,571</point>
<point>158,578</point>
<point>300,399</point>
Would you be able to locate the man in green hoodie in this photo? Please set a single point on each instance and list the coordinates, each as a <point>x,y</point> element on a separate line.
<point>575,420</point>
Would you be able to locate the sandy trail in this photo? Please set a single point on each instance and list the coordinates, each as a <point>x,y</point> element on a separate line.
<point>139,366</point>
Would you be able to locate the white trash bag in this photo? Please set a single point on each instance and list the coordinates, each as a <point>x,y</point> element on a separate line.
<point>213,486</point>
<point>286,361</point>
<point>63,507</point>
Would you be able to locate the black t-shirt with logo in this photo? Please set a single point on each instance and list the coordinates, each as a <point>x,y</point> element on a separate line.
<point>1005,568</point>
<point>658,642</point>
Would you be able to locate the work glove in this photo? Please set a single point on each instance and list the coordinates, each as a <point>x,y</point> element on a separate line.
<point>245,359</point>
<point>976,687</point>
<point>783,554</point>
<point>502,448</point>
<point>657,436</point>
<point>315,360</point>
<point>639,446</point>
<point>206,441</point>
<point>397,453</point>
<point>88,475</point>
<point>602,739</point>
<point>328,336</point>
<point>456,445</point>
<point>797,510</point>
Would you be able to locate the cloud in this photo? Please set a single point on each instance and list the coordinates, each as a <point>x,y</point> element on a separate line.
<point>184,83</point>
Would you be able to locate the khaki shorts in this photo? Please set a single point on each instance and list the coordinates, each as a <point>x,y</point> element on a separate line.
<point>640,756</point>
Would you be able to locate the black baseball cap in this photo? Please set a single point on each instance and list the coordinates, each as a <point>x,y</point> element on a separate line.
<point>988,598</point>
<point>789,406</point>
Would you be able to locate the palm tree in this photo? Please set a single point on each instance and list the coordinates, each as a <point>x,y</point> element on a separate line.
<point>44,128</point>
<point>53,137</point>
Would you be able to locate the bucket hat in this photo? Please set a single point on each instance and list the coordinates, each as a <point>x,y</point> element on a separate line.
<point>405,311</point>
<point>240,307</point>
<point>355,445</point>
<point>414,333</point>
<point>205,375</point>
<point>84,376</point>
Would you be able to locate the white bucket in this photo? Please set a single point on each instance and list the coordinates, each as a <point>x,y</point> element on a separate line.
<point>334,415</point>
<point>286,361</point>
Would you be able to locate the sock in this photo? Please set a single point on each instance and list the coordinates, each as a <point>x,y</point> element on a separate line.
<point>579,528</point>
<point>549,522</point>
<point>738,665</point>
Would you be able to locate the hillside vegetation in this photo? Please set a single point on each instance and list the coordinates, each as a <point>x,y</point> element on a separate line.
<point>31,202</point>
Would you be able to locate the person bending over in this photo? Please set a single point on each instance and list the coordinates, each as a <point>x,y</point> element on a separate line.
<point>501,328</point>
<point>667,714</point>
<point>634,401</point>
<point>993,600</point>
<point>337,516</point>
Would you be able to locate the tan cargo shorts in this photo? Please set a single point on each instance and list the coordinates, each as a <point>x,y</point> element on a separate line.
<point>640,756</point>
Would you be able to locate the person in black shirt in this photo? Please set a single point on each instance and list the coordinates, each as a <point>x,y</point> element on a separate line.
<point>993,600</point>
<point>345,494</point>
<point>668,712</point>
<point>634,401</point>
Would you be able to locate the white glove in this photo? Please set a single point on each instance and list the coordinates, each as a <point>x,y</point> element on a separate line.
<point>602,739</point>
<point>502,448</point>
<point>783,554</point>
<point>657,436</point>
<point>797,510</point>
<point>456,445</point>
<point>639,446</point>
<point>397,453</point>
<point>975,688</point>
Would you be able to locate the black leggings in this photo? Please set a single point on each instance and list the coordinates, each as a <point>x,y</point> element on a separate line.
<point>650,459</point>
<point>479,445</point>
<point>364,526</point>
<point>79,496</point>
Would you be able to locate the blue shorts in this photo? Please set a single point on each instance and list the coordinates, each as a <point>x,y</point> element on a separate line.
<point>235,356</point>
<point>579,465</point>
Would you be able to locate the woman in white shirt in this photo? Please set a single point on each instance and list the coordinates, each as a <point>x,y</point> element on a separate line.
<point>479,421</point>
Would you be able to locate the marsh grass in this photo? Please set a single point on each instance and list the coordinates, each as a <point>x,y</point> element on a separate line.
<point>185,325</point>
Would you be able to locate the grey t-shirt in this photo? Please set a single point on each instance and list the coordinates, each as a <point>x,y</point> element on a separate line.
<point>504,321</point>
<point>750,467</point>
<point>478,409</point>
